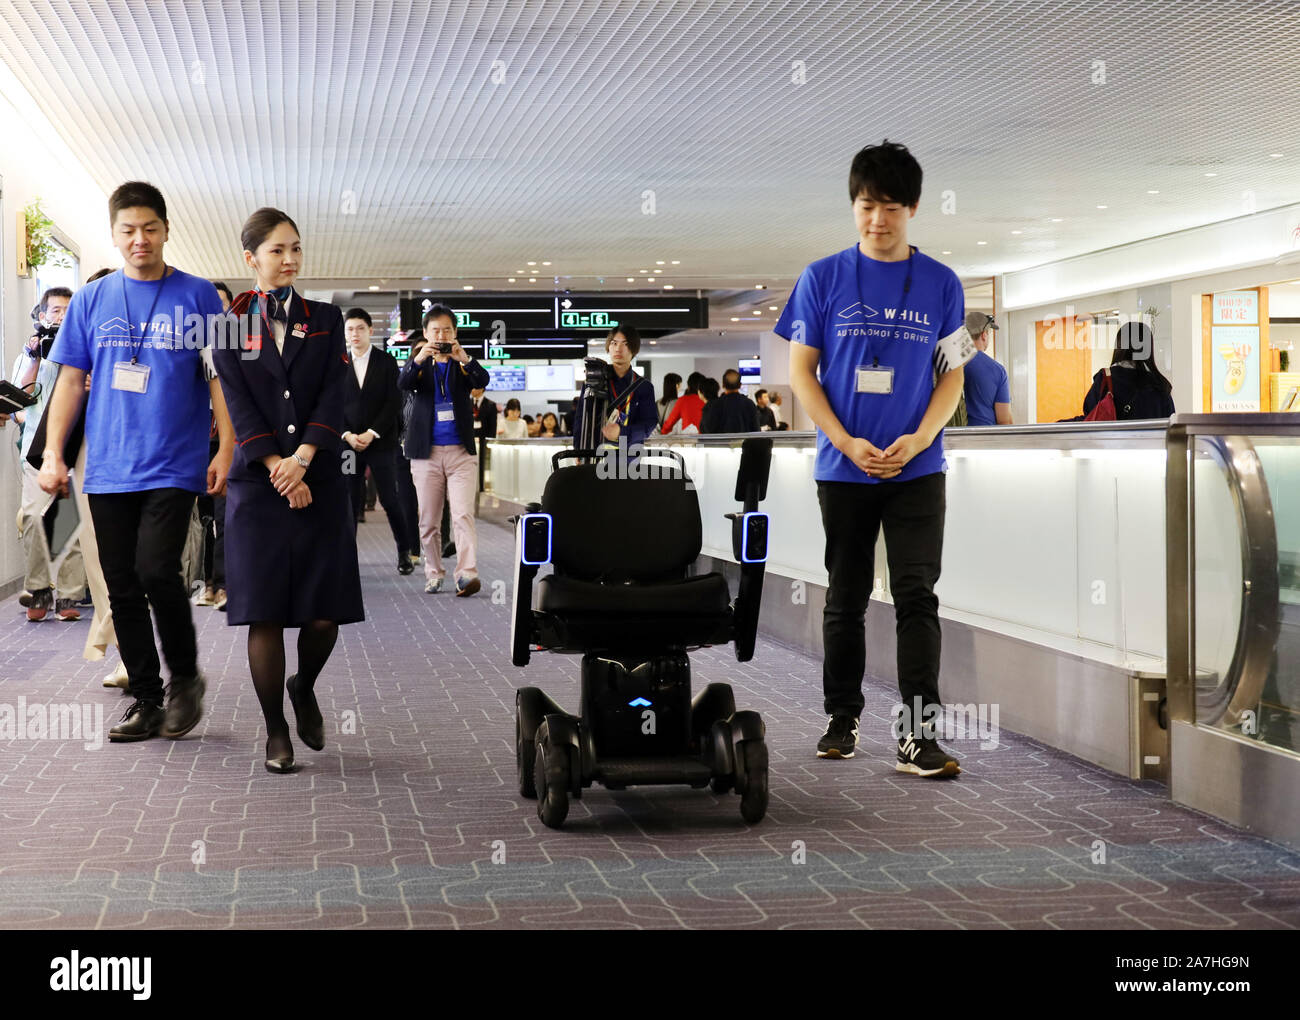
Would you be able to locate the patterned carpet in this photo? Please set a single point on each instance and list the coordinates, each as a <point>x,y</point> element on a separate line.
<point>411,819</point>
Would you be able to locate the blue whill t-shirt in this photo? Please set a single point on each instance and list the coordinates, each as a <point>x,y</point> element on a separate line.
<point>853,309</point>
<point>157,439</point>
<point>986,385</point>
<point>445,433</point>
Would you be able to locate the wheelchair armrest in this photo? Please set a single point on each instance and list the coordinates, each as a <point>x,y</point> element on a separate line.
<point>532,550</point>
<point>749,530</point>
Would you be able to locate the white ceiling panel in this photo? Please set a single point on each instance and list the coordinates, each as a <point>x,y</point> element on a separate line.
<point>459,141</point>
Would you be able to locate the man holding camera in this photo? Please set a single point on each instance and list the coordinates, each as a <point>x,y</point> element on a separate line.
<point>631,412</point>
<point>440,444</point>
<point>41,373</point>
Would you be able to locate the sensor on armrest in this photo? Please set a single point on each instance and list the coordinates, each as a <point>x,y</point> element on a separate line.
<point>749,536</point>
<point>535,543</point>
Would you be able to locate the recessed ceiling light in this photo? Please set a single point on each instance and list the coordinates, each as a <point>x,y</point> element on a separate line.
<point>1275,155</point>
<point>468,286</point>
<point>1017,231</point>
<point>532,263</point>
<point>426,290</point>
<point>511,280</point>
<point>1153,191</point>
<point>678,262</point>
<point>773,308</point>
<point>532,279</point>
<point>643,271</point>
<point>1211,174</point>
<point>981,242</point>
<point>757,312</point>
<point>946,253</point>
<point>659,262</point>
<point>735,318</point>
<point>1055,219</point>
<point>1103,207</point>
<point>760,286</point>
<point>653,342</point>
<point>658,270</point>
<point>631,279</point>
<point>373,287</point>
<point>668,286</point>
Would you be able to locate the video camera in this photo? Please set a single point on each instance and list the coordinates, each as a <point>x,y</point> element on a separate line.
<point>595,400</point>
<point>45,334</point>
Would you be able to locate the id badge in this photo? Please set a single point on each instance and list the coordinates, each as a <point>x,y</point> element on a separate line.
<point>446,412</point>
<point>875,379</point>
<point>133,378</point>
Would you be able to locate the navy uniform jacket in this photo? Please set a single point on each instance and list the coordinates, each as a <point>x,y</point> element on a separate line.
<point>376,405</point>
<point>288,566</point>
<point>279,401</point>
<point>420,381</point>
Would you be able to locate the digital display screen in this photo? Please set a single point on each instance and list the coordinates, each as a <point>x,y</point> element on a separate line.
<point>751,371</point>
<point>551,377</point>
<point>504,377</point>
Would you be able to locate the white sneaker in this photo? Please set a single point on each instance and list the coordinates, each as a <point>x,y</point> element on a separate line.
<point>118,677</point>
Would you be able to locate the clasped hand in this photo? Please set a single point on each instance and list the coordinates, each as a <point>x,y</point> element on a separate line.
<point>887,463</point>
<point>286,476</point>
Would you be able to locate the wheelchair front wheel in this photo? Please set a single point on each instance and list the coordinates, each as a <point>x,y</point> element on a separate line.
<point>753,802</point>
<point>551,779</point>
<point>530,710</point>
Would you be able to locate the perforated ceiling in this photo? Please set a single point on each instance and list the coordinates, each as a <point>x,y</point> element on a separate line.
<point>460,141</point>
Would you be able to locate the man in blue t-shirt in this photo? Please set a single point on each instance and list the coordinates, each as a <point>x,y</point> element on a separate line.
<point>142,333</point>
<point>876,355</point>
<point>988,397</point>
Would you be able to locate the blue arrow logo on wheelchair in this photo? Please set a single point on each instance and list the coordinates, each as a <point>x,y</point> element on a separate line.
<point>639,703</point>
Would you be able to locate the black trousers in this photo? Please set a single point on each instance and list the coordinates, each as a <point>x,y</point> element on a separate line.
<point>141,536</point>
<point>912,515</point>
<point>384,468</point>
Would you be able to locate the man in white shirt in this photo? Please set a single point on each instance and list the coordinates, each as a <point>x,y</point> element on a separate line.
<point>371,411</point>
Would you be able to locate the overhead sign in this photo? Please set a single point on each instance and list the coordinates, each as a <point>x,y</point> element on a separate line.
<point>515,317</point>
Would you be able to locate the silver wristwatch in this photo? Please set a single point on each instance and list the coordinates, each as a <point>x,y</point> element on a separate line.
<point>301,460</point>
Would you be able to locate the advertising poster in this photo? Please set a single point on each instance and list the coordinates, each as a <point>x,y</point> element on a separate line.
<point>1235,371</point>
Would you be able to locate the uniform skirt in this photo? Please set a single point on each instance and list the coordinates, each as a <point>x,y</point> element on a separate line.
<point>290,567</point>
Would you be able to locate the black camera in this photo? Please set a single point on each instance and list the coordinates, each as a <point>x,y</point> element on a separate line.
<point>442,348</point>
<point>597,373</point>
<point>45,334</point>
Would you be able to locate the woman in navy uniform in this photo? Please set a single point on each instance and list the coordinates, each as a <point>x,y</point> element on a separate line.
<point>291,553</point>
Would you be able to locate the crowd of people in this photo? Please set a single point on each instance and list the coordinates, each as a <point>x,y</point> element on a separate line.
<point>258,441</point>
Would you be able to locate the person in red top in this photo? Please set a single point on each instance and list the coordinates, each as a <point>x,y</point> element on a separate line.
<point>689,407</point>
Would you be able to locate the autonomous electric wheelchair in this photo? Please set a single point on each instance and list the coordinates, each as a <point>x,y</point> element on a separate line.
<point>621,532</point>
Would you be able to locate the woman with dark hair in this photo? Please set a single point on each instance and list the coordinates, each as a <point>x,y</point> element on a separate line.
<point>671,381</point>
<point>291,554</point>
<point>688,409</point>
<point>1138,388</point>
<point>550,426</point>
<point>512,426</point>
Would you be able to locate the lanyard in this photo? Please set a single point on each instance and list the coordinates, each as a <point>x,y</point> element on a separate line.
<point>130,326</point>
<point>441,376</point>
<point>626,398</point>
<point>902,301</point>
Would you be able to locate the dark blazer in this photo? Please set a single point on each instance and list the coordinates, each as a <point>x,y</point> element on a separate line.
<point>731,412</point>
<point>279,401</point>
<point>487,417</point>
<point>420,380</point>
<point>376,405</point>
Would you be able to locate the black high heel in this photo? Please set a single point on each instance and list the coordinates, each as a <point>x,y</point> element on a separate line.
<point>311,726</point>
<point>282,764</point>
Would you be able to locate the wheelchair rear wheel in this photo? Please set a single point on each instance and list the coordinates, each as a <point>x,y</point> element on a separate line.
<point>551,779</point>
<point>753,802</point>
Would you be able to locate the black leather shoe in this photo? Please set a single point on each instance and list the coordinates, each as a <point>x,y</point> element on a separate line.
<point>184,706</point>
<point>404,565</point>
<point>140,722</point>
<point>311,726</point>
<point>281,764</point>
